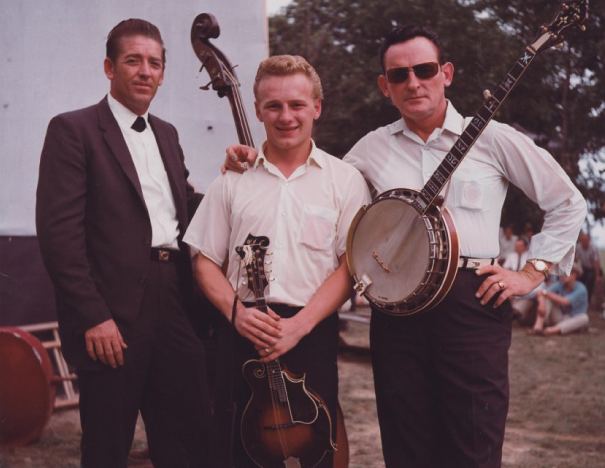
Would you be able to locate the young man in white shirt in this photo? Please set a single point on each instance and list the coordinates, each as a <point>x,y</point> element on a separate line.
<point>303,200</point>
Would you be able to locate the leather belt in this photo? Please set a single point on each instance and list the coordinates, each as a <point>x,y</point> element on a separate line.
<point>470,263</point>
<point>160,254</point>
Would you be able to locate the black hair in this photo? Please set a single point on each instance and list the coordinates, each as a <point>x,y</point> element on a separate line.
<point>132,27</point>
<point>405,33</point>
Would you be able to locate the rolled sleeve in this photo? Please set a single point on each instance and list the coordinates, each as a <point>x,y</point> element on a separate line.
<point>542,179</point>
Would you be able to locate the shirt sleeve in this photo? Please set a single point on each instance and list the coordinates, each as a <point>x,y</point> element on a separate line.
<point>354,197</point>
<point>542,179</point>
<point>209,230</point>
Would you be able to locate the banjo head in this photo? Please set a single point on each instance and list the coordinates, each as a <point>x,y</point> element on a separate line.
<point>390,247</point>
<point>404,260</point>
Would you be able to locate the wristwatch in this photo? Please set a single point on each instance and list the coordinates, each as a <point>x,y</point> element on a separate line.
<point>540,266</point>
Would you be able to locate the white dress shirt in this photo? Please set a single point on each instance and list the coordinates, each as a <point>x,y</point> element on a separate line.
<point>393,156</point>
<point>305,216</point>
<point>515,261</point>
<point>152,175</point>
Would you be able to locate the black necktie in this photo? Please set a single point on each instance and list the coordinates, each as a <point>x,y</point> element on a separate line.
<point>139,124</point>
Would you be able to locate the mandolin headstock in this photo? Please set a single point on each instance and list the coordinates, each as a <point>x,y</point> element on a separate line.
<point>253,254</point>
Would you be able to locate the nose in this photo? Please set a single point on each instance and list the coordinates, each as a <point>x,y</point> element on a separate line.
<point>286,114</point>
<point>412,81</point>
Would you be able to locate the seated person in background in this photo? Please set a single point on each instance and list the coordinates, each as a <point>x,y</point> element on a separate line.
<point>563,306</point>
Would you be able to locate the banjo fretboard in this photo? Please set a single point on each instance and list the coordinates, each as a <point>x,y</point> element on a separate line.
<point>473,130</point>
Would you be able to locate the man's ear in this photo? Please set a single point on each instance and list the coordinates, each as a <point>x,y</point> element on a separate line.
<point>257,110</point>
<point>317,106</point>
<point>108,68</point>
<point>382,85</point>
<point>448,73</point>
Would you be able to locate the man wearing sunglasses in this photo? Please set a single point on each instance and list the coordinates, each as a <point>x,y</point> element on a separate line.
<point>441,376</point>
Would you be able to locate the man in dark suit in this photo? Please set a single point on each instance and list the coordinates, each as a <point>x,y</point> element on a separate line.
<point>113,202</point>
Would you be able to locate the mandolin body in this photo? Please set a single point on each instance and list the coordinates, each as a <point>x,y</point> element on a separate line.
<point>282,426</point>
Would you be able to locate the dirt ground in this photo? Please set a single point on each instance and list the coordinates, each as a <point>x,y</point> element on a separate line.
<point>556,417</point>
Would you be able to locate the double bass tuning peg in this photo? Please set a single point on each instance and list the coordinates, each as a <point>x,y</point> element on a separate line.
<point>206,87</point>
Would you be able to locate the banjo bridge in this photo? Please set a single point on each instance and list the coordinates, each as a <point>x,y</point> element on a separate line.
<point>382,264</point>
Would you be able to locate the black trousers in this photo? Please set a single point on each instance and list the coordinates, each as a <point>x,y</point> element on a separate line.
<point>441,381</point>
<point>315,355</point>
<point>163,377</point>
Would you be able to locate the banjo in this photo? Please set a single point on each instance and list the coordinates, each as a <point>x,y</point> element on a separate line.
<point>402,249</point>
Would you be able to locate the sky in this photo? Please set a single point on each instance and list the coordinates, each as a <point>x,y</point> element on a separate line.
<point>273,6</point>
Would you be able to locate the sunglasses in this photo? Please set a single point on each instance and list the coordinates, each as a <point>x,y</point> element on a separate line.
<point>423,71</point>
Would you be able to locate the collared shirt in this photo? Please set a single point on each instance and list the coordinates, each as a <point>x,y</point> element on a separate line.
<point>393,156</point>
<point>515,261</point>
<point>305,216</point>
<point>577,297</point>
<point>152,175</point>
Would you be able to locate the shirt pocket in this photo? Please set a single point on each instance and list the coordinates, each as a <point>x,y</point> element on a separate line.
<point>470,195</point>
<point>317,228</point>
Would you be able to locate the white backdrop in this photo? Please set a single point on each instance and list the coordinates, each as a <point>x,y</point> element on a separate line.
<point>51,61</point>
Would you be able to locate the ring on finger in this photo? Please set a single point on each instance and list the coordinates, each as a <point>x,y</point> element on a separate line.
<point>267,350</point>
<point>501,284</point>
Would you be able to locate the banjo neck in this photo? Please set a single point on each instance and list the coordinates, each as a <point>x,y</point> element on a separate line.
<point>429,194</point>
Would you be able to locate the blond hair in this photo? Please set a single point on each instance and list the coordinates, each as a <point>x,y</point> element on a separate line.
<point>284,65</point>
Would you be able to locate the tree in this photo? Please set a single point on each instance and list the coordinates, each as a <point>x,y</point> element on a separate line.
<point>560,102</point>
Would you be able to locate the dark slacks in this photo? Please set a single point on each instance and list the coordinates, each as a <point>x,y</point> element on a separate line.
<point>163,377</point>
<point>315,356</point>
<point>441,380</point>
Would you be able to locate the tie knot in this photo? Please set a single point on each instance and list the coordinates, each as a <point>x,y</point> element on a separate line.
<point>139,124</point>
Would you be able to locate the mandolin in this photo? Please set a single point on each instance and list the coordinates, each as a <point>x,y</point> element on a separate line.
<point>284,423</point>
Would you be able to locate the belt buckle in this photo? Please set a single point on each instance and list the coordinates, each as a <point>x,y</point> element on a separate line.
<point>163,255</point>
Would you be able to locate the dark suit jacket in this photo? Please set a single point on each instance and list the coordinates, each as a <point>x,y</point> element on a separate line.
<point>92,221</point>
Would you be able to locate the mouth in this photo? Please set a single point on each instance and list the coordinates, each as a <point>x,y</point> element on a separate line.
<point>145,86</point>
<point>414,98</point>
<point>286,129</point>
